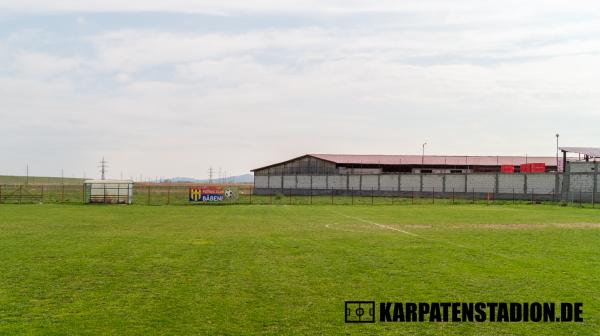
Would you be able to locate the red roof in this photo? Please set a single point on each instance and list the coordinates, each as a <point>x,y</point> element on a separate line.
<point>435,159</point>
<point>454,160</point>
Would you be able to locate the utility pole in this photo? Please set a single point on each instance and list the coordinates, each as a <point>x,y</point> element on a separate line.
<point>210,175</point>
<point>103,165</point>
<point>423,156</point>
<point>557,135</point>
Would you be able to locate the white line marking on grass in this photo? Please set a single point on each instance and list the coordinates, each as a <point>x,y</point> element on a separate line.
<point>418,236</point>
<point>378,224</point>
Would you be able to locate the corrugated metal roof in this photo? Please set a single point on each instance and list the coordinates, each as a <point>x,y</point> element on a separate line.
<point>453,160</point>
<point>435,159</point>
<point>108,181</point>
<point>589,151</point>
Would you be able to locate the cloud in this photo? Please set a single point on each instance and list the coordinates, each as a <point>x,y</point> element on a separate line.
<point>360,77</point>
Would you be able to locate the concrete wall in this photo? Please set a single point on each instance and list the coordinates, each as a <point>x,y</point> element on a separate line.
<point>581,177</point>
<point>354,182</point>
<point>581,182</point>
<point>582,167</point>
<point>433,182</point>
<point>481,182</point>
<point>509,182</point>
<point>289,182</point>
<point>261,181</point>
<point>370,182</point>
<point>319,182</point>
<point>410,182</point>
<point>455,182</point>
<point>541,183</point>
<point>389,182</point>
<point>304,181</point>
<point>275,182</point>
<point>338,182</point>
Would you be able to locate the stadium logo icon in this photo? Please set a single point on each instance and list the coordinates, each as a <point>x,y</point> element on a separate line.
<point>359,312</point>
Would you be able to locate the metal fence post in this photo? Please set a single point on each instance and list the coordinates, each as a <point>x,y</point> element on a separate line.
<point>331,195</point>
<point>352,195</point>
<point>532,195</point>
<point>513,195</point>
<point>83,193</point>
<point>580,198</point>
<point>290,196</point>
<point>62,193</point>
<point>473,195</point>
<point>20,192</point>
<point>148,198</point>
<point>372,195</point>
<point>251,191</point>
<point>432,195</point>
<point>593,199</point>
<point>42,194</point>
<point>169,194</point>
<point>1,194</point>
<point>413,196</point>
<point>452,195</point>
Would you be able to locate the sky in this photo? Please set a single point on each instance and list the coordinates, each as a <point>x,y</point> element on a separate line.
<point>171,88</point>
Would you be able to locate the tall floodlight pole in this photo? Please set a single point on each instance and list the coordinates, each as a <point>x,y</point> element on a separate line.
<point>557,135</point>
<point>423,155</point>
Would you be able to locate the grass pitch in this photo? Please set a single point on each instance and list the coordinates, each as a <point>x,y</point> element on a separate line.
<point>74,269</point>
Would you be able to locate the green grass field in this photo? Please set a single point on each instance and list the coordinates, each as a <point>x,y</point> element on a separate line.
<point>16,180</point>
<point>287,270</point>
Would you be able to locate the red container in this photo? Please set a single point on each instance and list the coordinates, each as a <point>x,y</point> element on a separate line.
<point>507,169</point>
<point>537,167</point>
<point>524,168</point>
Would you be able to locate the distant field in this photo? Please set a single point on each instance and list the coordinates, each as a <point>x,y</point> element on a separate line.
<point>287,270</point>
<point>4,179</point>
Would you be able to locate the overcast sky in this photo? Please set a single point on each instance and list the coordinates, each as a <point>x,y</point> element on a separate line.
<point>169,88</point>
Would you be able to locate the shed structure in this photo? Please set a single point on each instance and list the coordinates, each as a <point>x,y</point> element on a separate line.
<point>109,191</point>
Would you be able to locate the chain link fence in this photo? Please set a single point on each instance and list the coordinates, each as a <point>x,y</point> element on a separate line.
<point>165,194</point>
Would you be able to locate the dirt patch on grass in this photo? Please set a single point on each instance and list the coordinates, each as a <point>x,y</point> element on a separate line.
<point>529,226</point>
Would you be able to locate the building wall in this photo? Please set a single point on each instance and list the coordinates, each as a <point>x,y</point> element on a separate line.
<point>481,182</point>
<point>583,177</point>
<point>304,165</point>
<point>304,181</point>
<point>261,181</point>
<point>370,182</point>
<point>433,182</point>
<point>507,183</point>
<point>389,182</point>
<point>541,183</point>
<point>410,182</point>
<point>455,183</point>
<point>354,182</point>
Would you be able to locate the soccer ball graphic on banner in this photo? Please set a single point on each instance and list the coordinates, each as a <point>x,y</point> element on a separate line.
<point>228,193</point>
